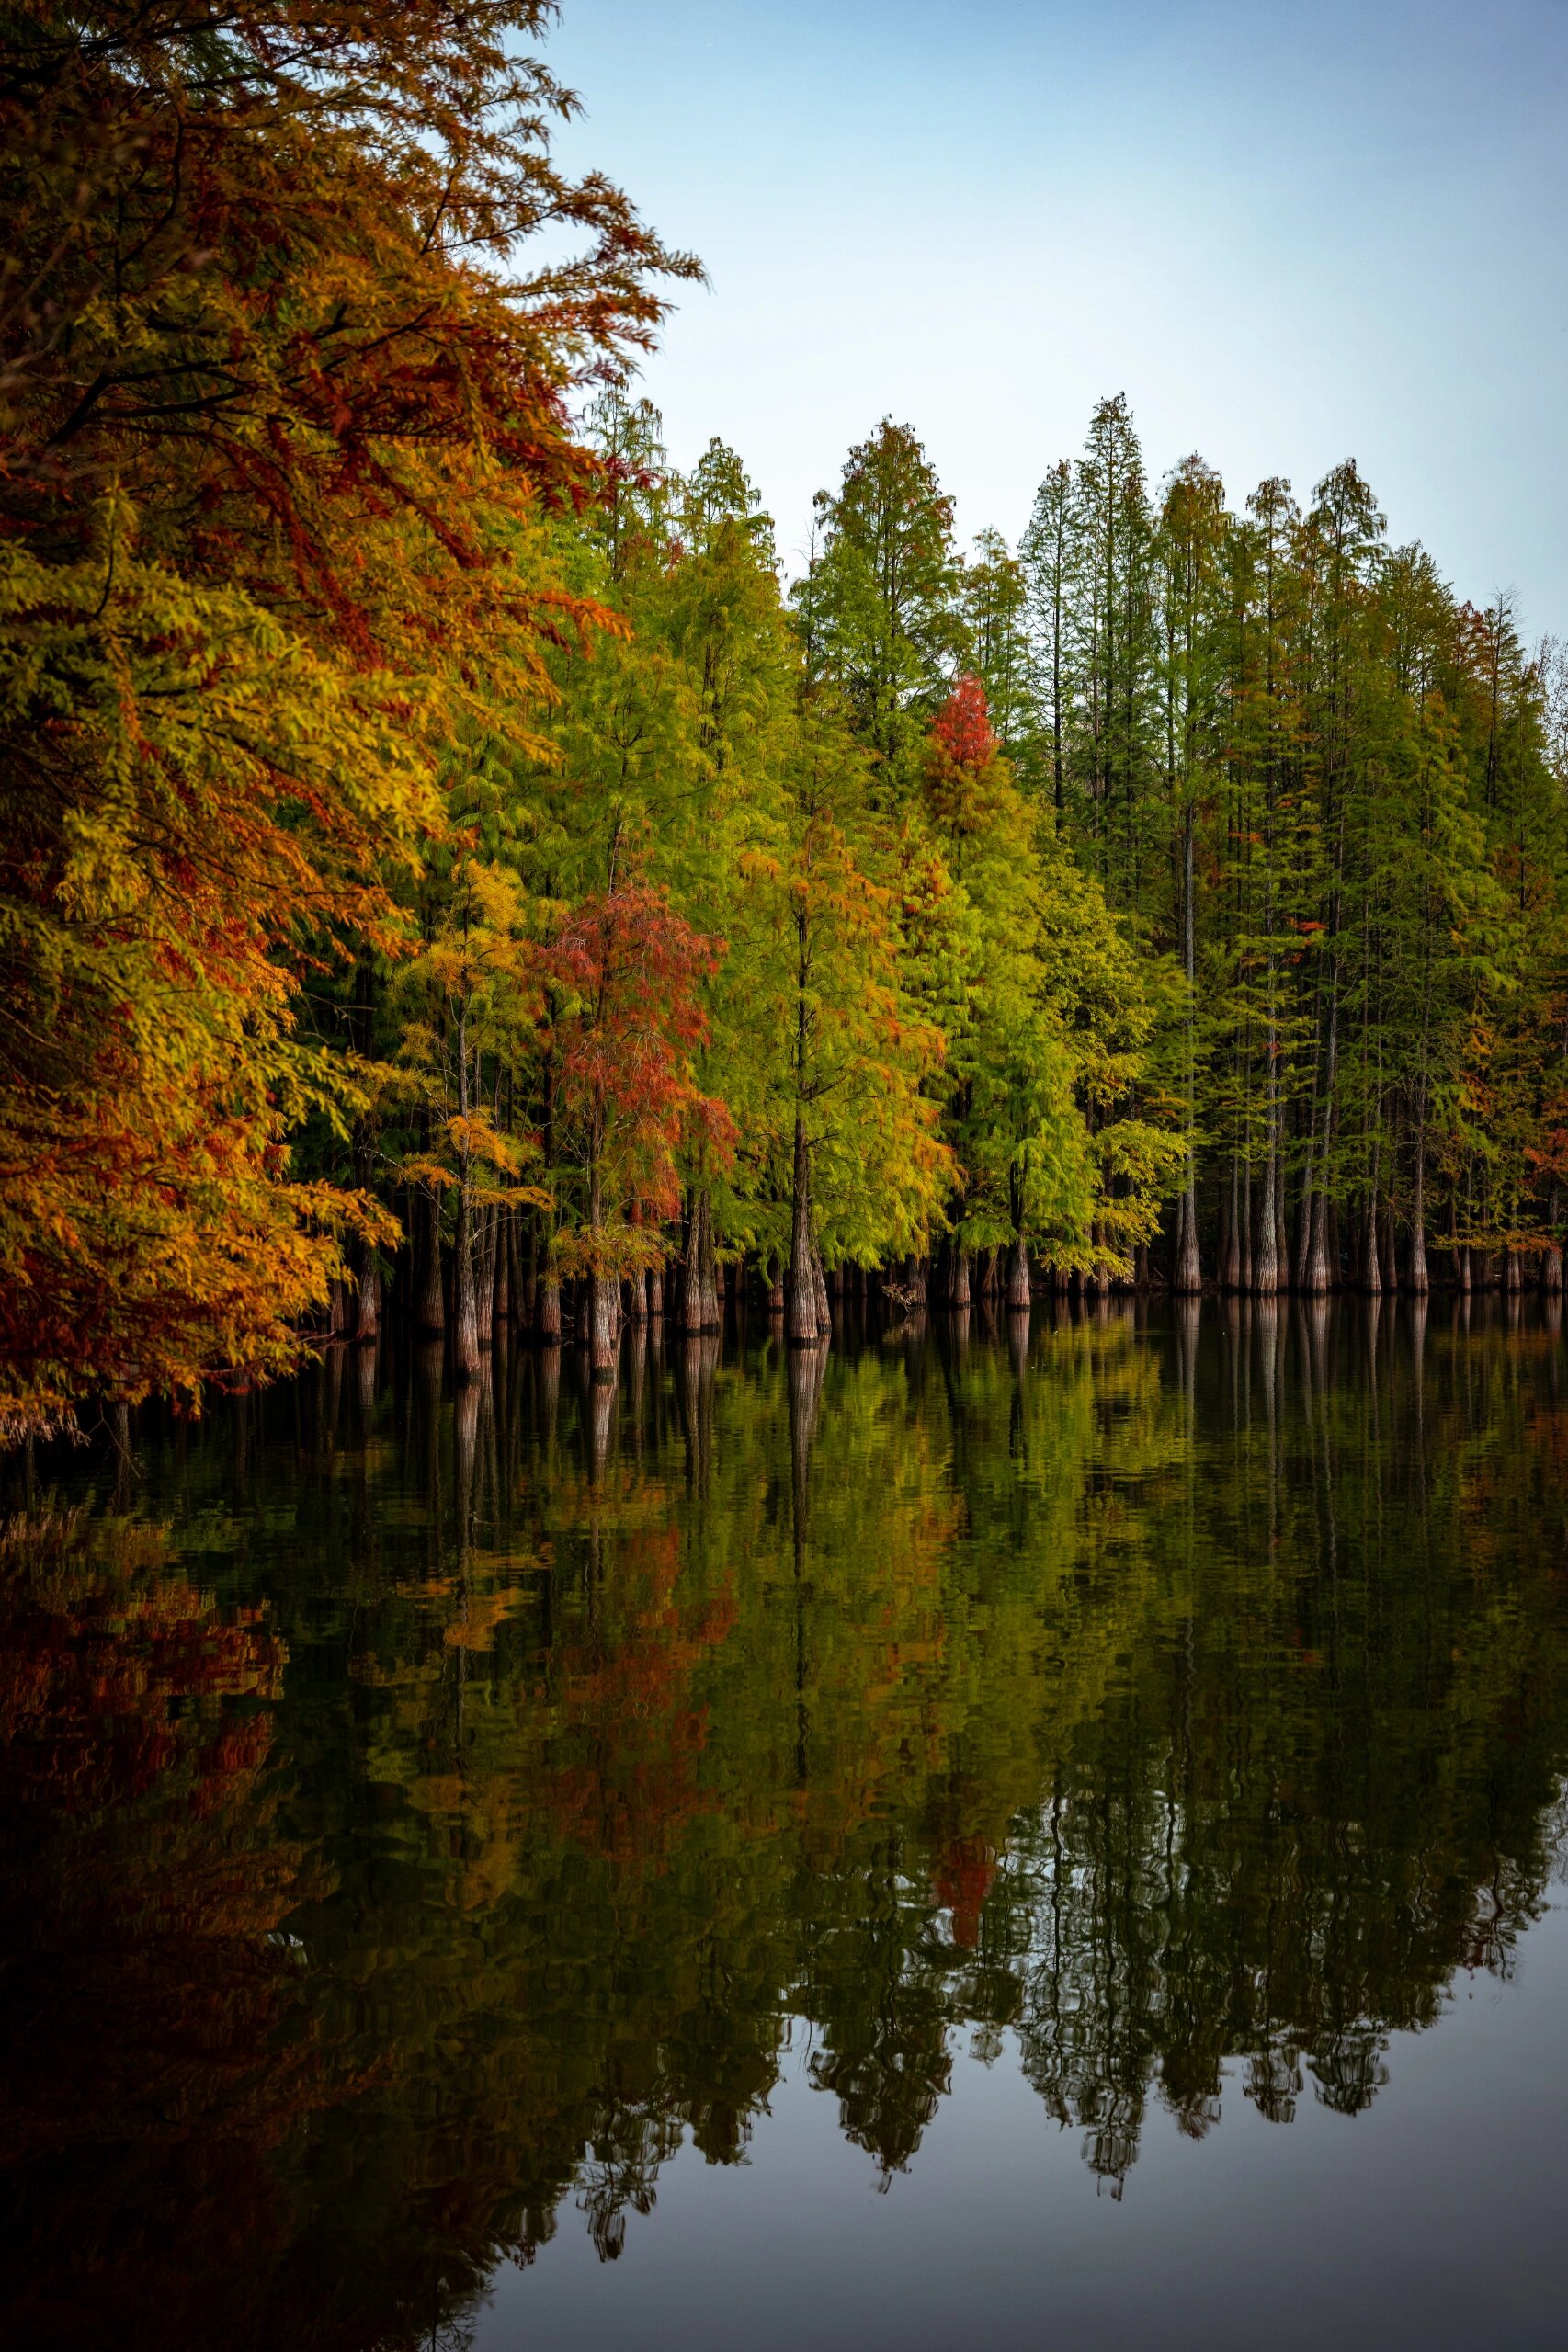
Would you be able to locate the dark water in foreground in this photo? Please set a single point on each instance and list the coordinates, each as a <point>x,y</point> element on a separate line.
<point>976,1841</point>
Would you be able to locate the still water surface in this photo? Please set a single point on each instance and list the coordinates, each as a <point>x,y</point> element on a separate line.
<point>983,1837</point>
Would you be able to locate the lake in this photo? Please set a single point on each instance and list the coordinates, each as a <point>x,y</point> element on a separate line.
<point>1010,1832</point>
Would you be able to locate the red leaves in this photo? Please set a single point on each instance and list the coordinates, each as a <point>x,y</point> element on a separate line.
<point>631,969</point>
<point>961,729</point>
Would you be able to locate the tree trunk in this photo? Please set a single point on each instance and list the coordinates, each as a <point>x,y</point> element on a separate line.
<point>1419,1280</point>
<point>1230,1252</point>
<point>430,1305</point>
<point>1018,1293</point>
<point>604,1326</point>
<point>800,1320</point>
<point>1265,1252</point>
<point>958,1279</point>
<point>1370,1273</point>
<point>547,1307</point>
<point>1187,1270</point>
<point>700,1287</point>
<point>819,1293</point>
<point>465,1303</point>
<point>656,1293</point>
<point>368,1293</point>
<point>501,1283</point>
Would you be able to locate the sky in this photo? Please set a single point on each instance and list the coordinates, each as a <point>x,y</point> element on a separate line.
<point>1291,233</point>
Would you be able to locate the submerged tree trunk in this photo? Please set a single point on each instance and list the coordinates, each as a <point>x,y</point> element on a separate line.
<point>1369,1272</point>
<point>1419,1280</point>
<point>1186,1270</point>
<point>801,1319</point>
<point>1231,1245</point>
<point>429,1305</point>
<point>465,1304</point>
<point>819,1293</point>
<point>604,1326</point>
<point>501,1283</point>
<point>367,1292</point>
<point>958,1279</point>
<point>699,1287</point>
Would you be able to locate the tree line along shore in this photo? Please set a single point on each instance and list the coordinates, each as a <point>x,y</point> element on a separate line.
<point>452,866</point>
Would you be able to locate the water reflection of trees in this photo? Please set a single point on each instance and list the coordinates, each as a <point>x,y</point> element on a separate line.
<point>1157,1706</point>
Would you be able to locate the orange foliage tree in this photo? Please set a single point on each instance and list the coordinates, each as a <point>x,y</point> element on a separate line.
<point>281,421</point>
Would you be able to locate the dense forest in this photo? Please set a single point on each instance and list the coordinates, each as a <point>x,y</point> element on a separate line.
<point>444,862</point>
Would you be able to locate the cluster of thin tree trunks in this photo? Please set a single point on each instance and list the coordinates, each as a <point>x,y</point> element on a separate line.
<point>499,1277</point>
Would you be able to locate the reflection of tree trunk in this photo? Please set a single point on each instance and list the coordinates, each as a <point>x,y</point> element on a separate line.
<point>501,1277</point>
<point>1373,1317</point>
<point>1418,1347</point>
<point>636,1369</point>
<point>805,1375</point>
<point>697,1359</point>
<point>805,1394</point>
<point>465,1440</point>
<point>1188,1318</point>
<point>1018,1341</point>
<point>601,1422</point>
<point>549,1396</point>
<point>426,1408</point>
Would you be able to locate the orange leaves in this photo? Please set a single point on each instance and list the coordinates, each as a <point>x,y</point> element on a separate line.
<point>284,417</point>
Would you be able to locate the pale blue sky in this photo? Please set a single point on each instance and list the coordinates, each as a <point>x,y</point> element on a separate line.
<point>1290,233</point>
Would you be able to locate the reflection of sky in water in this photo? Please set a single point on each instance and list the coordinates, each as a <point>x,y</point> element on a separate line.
<point>1432,2218</point>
